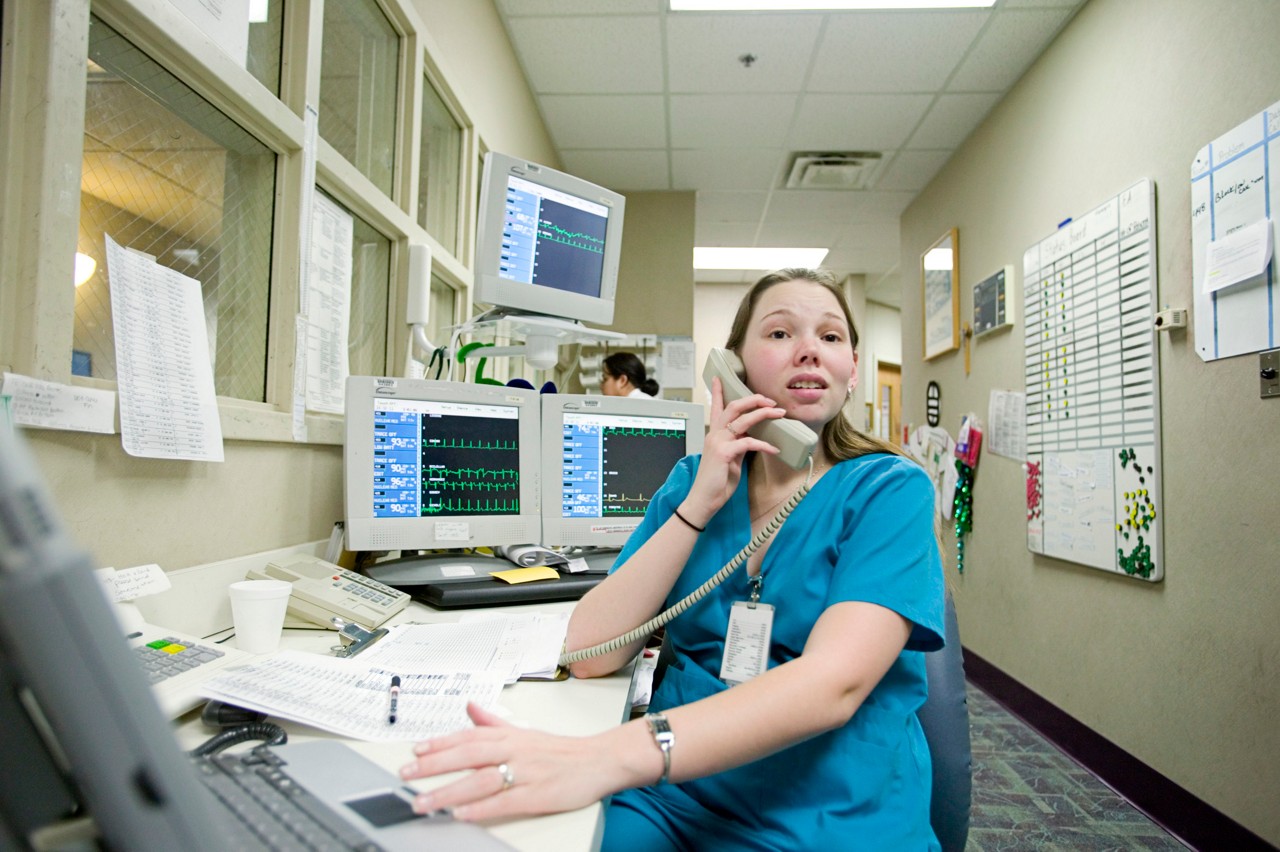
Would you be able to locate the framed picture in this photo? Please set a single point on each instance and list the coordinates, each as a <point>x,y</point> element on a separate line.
<point>940,295</point>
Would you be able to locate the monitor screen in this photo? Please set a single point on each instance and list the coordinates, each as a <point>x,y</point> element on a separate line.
<point>603,458</point>
<point>547,242</point>
<point>440,465</point>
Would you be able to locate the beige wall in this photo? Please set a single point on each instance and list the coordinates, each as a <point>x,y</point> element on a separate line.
<point>1184,674</point>
<point>655,274</point>
<point>475,55</point>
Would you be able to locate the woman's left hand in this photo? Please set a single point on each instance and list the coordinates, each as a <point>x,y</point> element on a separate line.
<point>517,772</point>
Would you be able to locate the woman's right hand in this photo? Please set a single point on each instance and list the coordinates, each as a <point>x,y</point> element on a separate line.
<point>726,445</point>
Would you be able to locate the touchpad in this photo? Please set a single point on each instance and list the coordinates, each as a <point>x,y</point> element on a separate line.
<point>383,809</point>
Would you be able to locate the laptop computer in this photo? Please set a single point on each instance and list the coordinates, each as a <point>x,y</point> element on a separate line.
<point>86,736</point>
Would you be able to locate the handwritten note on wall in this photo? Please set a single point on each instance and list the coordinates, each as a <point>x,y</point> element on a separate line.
<point>1235,187</point>
<point>1092,404</point>
<point>50,405</point>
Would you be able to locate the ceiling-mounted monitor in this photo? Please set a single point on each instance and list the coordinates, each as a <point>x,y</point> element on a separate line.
<point>547,242</point>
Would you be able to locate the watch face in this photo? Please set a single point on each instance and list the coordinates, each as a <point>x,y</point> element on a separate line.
<point>933,403</point>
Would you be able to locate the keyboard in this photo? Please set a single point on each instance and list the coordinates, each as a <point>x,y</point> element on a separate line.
<point>169,656</point>
<point>270,809</point>
<point>178,665</point>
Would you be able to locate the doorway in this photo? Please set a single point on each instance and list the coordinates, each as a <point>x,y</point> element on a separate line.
<point>889,402</point>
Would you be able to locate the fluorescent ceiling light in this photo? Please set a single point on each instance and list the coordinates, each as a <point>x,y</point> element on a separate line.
<point>825,5</point>
<point>708,257</point>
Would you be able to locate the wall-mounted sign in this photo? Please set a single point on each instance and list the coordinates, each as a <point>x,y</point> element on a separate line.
<point>933,404</point>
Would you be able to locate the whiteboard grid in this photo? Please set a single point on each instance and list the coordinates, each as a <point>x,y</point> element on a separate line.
<point>1092,380</point>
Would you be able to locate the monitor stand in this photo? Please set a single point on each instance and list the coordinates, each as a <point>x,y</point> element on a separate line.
<point>435,568</point>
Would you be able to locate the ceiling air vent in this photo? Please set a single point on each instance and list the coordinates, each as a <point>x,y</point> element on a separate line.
<point>833,170</point>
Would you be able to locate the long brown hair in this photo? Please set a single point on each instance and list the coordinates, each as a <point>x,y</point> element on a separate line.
<point>840,439</point>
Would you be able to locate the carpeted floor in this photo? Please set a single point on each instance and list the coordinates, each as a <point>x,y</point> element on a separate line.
<point>1028,796</point>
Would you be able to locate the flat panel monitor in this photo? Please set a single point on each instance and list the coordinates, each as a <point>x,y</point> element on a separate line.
<point>440,465</point>
<point>547,242</point>
<point>603,458</point>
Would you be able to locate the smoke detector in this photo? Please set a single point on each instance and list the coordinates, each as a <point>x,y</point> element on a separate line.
<point>833,170</point>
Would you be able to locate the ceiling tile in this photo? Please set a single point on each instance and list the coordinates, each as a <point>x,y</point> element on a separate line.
<point>911,171</point>
<point>605,121</point>
<point>703,52</point>
<point>731,206</point>
<point>590,54</point>
<point>893,51</point>
<point>725,233</point>
<point>843,207</point>
<point>726,168</point>
<point>620,170</point>
<point>802,233</point>
<point>952,119</point>
<point>752,121</point>
<point>1007,48</point>
<point>856,122</point>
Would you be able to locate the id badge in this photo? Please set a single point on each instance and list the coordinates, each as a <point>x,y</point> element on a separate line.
<point>746,644</point>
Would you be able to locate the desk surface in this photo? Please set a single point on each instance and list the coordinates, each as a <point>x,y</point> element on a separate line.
<point>565,707</point>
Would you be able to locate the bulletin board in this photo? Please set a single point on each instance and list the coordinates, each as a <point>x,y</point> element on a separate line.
<point>1235,183</point>
<point>1093,390</point>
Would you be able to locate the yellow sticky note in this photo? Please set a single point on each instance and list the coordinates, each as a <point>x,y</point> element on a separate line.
<point>525,575</point>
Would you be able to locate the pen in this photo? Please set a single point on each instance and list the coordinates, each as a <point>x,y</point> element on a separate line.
<point>395,698</point>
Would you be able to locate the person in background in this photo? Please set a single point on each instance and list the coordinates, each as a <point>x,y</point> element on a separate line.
<point>623,374</point>
<point>817,745</point>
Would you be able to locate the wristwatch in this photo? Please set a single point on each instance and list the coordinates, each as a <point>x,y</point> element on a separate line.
<point>665,739</point>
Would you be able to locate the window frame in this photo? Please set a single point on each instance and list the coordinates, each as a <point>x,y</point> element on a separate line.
<point>37,316</point>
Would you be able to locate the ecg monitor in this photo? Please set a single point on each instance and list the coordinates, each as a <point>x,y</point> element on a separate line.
<point>443,465</point>
<point>603,458</point>
<point>548,242</point>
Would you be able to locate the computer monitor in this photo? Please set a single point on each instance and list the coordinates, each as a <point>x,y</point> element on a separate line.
<point>440,465</point>
<point>603,457</point>
<point>547,242</point>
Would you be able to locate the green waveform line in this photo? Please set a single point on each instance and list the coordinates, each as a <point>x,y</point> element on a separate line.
<point>463,444</point>
<point>560,235</point>
<point>625,499</point>
<point>474,472</point>
<point>476,507</point>
<point>645,433</point>
<point>621,510</point>
<point>474,486</point>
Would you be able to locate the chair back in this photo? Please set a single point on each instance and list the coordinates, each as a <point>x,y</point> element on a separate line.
<point>945,719</point>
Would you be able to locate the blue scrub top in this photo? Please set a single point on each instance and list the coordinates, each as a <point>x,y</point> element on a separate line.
<point>865,532</point>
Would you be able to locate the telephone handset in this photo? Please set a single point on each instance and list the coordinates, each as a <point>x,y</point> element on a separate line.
<point>796,443</point>
<point>794,440</point>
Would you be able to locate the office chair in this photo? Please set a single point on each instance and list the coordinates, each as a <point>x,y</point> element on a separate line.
<point>945,719</point>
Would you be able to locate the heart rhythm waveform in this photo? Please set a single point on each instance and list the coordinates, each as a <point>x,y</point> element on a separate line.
<point>577,239</point>
<point>624,505</point>
<point>624,431</point>
<point>471,479</point>
<point>466,444</point>
<point>472,507</point>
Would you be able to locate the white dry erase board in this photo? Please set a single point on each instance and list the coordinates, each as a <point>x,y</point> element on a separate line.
<point>1093,390</point>
<point>1235,186</point>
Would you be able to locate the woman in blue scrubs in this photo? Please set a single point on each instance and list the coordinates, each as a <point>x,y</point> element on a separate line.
<point>807,739</point>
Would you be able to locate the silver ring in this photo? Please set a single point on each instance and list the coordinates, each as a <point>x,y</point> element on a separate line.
<point>508,777</point>
<point>732,432</point>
